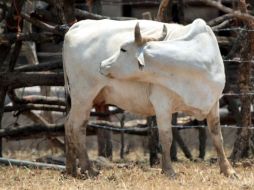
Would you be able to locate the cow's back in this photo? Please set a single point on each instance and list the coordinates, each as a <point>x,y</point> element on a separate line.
<point>97,40</point>
<point>89,42</point>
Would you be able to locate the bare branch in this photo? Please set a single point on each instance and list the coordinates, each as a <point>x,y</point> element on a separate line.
<point>33,99</point>
<point>43,25</point>
<point>27,107</point>
<point>220,19</point>
<point>219,6</point>
<point>221,25</point>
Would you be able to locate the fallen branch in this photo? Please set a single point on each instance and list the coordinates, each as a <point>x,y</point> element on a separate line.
<point>13,80</point>
<point>54,130</point>
<point>46,66</point>
<point>32,131</point>
<point>25,163</point>
<point>10,38</point>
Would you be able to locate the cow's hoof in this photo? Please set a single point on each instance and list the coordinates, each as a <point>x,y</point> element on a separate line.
<point>85,174</point>
<point>169,173</point>
<point>70,171</point>
<point>230,173</point>
<point>234,176</point>
<point>66,174</point>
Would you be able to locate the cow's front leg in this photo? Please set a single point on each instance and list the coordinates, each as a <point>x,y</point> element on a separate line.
<point>165,138</point>
<point>163,110</point>
<point>213,120</point>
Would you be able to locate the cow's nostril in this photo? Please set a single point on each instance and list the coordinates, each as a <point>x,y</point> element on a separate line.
<point>104,71</point>
<point>109,75</point>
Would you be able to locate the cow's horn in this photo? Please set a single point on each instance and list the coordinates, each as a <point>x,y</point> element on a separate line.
<point>159,38</point>
<point>164,33</point>
<point>138,37</point>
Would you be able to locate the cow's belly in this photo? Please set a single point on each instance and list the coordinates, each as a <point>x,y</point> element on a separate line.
<point>135,98</point>
<point>130,96</point>
<point>158,93</point>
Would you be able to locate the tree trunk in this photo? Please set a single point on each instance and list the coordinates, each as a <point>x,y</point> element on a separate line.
<point>241,145</point>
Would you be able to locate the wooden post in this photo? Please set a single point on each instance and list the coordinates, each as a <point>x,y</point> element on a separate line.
<point>104,136</point>
<point>14,25</point>
<point>181,144</point>
<point>202,142</point>
<point>122,137</point>
<point>153,141</point>
<point>241,145</point>
<point>180,8</point>
<point>173,149</point>
<point>164,14</point>
<point>2,98</point>
<point>96,7</point>
<point>69,12</point>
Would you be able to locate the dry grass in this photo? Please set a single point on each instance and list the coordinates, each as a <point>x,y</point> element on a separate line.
<point>191,175</point>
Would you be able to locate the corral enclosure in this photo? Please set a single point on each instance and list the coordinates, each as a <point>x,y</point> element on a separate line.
<point>31,36</point>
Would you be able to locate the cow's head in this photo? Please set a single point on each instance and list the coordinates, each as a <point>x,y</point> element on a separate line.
<point>130,58</point>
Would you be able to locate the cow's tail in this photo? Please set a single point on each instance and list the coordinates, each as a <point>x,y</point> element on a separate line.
<point>66,87</point>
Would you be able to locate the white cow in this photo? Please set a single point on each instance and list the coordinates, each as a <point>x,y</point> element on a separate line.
<point>86,45</point>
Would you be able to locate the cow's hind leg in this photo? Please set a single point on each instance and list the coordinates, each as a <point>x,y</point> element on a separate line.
<point>75,134</point>
<point>213,120</point>
<point>70,149</point>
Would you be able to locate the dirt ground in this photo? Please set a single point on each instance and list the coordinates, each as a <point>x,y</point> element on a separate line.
<point>138,175</point>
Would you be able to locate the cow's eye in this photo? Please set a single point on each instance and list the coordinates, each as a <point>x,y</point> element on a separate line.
<point>123,50</point>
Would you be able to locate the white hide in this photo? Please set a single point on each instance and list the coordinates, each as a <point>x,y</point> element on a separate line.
<point>189,65</point>
<point>87,44</point>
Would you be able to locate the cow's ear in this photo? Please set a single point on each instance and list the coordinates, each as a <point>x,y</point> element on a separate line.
<point>141,60</point>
